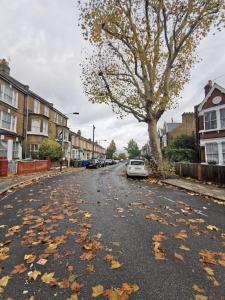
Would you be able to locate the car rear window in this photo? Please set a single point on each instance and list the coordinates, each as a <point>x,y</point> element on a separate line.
<point>137,163</point>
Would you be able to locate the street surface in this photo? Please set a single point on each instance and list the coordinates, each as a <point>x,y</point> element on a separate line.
<point>97,234</point>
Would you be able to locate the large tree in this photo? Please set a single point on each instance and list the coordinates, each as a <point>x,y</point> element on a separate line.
<point>143,51</point>
<point>132,149</point>
<point>111,149</point>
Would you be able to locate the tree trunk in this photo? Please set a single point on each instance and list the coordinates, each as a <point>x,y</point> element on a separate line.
<point>154,141</point>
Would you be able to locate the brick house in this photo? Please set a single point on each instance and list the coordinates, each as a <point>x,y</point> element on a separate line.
<point>26,119</point>
<point>211,126</point>
<point>172,130</point>
<point>82,148</point>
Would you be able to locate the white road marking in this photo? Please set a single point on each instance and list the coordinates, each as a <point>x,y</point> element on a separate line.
<point>167,199</point>
<point>199,212</point>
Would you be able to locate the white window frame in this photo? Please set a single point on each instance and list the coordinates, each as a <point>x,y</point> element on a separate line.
<point>210,120</point>
<point>45,127</point>
<point>35,129</point>
<point>212,154</point>
<point>46,111</point>
<point>222,120</point>
<point>36,107</point>
<point>12,122</point>
<point>3,149</point>
<point>223,151</point>
<point>34,150</point>
<point>8,95</point>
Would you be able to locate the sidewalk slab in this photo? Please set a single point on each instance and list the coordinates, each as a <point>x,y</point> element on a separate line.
<point>199,188</point>
<point>12,182</point>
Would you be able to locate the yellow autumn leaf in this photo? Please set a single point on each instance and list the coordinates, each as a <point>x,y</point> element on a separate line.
<point>73,297</point>
<point>209,271</point>
<point>212,227</point>
<point>201,297</point>
<point>115,264</point>
<point>48,277</point>
<point>4,281</point>
<point>179,256</point>
<point>97,290</point>
<point>33,275</point>
<point>198,289</point>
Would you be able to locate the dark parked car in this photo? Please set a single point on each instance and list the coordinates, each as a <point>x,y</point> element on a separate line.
<point>93,164</point>
<point>102,162</point>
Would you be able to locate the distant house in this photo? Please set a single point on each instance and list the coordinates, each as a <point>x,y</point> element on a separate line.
<point>172,130</point>
<point>211,126</point>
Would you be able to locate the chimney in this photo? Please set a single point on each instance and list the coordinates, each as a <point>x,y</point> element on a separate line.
<point>79,132</point>
<point>208,87</point>
<point>4,66</point>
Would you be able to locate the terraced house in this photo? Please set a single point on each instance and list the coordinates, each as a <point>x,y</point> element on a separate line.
<point>211,126</point>
<point>26,119</point>
<point>82,148</point>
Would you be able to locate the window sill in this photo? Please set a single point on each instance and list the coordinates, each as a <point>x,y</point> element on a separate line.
<point>37,133</point>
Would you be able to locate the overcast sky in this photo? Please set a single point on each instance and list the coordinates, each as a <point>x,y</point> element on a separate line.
<point>44,44</point>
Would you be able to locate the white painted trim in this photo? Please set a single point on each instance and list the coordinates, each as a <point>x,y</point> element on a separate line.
<point>215,140</point>
<point>217,110</point>
<point>218,107</point>
<point>219,142</point>
<point>215,86</point>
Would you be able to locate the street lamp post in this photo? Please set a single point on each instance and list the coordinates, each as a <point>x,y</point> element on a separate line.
<point>93,143</point>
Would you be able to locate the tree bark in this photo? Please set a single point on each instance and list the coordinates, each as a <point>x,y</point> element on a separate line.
<point>154,141</point>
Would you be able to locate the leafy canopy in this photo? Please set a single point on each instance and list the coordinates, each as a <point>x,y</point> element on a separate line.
<point>50,149</point>
<point>143,51</point>
<point>132,149</point>
<point>111,149</point>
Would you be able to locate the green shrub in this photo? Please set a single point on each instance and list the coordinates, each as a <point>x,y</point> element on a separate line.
<point>50,149</point>
<point>179,155</point>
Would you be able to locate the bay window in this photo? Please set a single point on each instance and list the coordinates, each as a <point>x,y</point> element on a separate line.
<point>8,121</point>
<point>35,126</point>
<point>8,95</point>
<point>45,127</point>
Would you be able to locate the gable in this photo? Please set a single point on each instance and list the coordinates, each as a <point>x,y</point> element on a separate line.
<point>210,101</point>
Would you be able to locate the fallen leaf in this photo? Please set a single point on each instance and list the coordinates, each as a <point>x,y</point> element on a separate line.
<point>48,278</point>
<point>115,264</point>
<point>73,297</point>
<point>198,289</point>
<point>4,281</point>
<point>18,269</point>
<point>178,256</point>
<point>76,287</point>
<point>182,235</point>
<point>200,297</point>
<point>33,275</point>
<point>97,291</point>
<point>90,268</point>
<point>212,227</point>
<point>182,247</point>
<point>29,258</point>
<point>209,271</point>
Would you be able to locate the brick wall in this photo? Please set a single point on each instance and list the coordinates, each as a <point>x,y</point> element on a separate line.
<point>32,166</point>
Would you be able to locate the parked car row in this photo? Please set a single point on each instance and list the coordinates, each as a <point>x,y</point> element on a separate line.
<point>99,163</point>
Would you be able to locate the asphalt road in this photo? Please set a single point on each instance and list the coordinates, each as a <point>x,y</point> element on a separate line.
<point>91,228</point>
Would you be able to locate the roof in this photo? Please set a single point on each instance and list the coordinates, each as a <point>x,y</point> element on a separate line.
<point>215,86</point>
<point>25,89</point>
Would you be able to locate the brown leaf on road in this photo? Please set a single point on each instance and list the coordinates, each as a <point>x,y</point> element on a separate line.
<point>4,253</point>
<point>178,256</point>
<point>209,271</point>
<point>212,227</point>
<point>29,258</point>
<point>198,289</point>
<point>115,264</point>
<point>76,287</point>
<point>33,275</point>
<point>90,268</point>
<point>201,297</point>
<point>208,257</point>
<point>182,247</point>
<point>65,284</point>
<point>87,255</point>
<point>18,269</point>
<point>97,290</point>
<point>159,237</point>
<point>182,235</point>
<point>158,251</point>
<point>73,297</point>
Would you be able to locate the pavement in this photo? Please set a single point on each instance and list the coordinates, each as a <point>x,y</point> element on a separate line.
<point>101,235</point>
<point>198,187</point>
<point>13,181</point>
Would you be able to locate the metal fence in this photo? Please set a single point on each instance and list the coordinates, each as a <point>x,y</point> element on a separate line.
<point>203,172</point>
<point>12,167</point>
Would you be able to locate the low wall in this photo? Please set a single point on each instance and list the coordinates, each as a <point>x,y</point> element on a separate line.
<point>201,172</point>
<point>26,167</point>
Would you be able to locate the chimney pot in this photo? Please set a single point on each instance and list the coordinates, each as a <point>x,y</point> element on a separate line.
<point>4,66</point>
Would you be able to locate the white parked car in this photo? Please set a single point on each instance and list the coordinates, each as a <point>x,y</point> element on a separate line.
<point>136,167</point>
